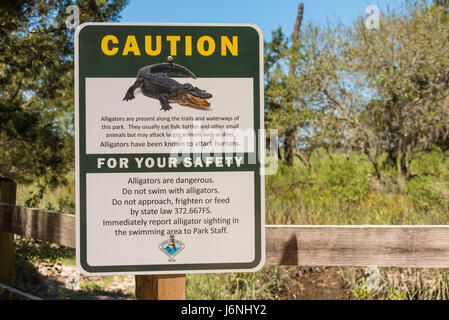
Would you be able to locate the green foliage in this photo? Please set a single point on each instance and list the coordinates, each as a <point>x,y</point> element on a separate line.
<point>429,187</point>
<point>398,284</point>
<point>443,3</point>
<point>271,282</point>
<point>345,180</point>
<point>91,286</point>
<point>394,294</point>
<point>427,192</point>
<point>333,177</point>
<point>337,189</point>
<point>35,250</point>
<point>367,106</point>
<point>361,292</point>
<point>433,163</point>
<point>380,92</point>
<point>59,198</point>
<point>332,181</point>
<point>27,250</point>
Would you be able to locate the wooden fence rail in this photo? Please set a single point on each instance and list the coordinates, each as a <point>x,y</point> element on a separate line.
<point>389,246</point>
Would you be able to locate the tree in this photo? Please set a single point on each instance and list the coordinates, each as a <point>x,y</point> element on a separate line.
<point>443,3</point>
<point>36,84</point>
<point>275,51</point>
<point>384,92</point>
<point>291,131</point>
<point>406,67</point>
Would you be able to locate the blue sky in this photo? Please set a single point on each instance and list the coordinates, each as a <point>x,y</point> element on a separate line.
<point>267,14</point>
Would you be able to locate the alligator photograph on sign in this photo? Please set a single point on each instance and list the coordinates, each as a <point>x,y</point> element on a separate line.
<point>155,83</point>
<point>168,119</point>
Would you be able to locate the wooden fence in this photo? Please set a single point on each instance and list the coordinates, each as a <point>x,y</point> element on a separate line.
<point>388,246</point>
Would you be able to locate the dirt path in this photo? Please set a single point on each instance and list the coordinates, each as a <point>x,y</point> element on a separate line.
<point>61,282</point>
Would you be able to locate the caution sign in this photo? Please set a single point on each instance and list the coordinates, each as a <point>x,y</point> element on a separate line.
<point>168,148</point>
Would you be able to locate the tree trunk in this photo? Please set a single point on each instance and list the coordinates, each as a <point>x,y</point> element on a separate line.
<point>403,165</point>
<point>289,147</point>
<point>373,160</point>
<point>295,34</point>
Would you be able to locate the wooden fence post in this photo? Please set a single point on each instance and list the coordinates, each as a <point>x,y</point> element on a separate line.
<point>161,287</point>
<point>7,195</point>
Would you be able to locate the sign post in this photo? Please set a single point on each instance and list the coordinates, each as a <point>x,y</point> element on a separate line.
<point>168,169</point>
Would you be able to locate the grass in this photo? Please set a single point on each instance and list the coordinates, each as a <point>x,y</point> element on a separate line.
<point>335,190</point>
<point>60,198</point>
<point>399,284</point>
<point>340,191</point>
<point>272,282</point>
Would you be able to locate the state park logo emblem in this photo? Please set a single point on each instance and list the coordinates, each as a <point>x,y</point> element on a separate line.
<point>171,247</point>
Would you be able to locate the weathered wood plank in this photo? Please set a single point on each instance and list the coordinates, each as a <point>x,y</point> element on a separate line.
<point>389,246</point>
<point>161,287</point>
<point>8,293</point>
<point>39,224</point>
<point>399,246</point>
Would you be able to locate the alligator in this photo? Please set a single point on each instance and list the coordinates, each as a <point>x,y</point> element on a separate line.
<point>155,83</point>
